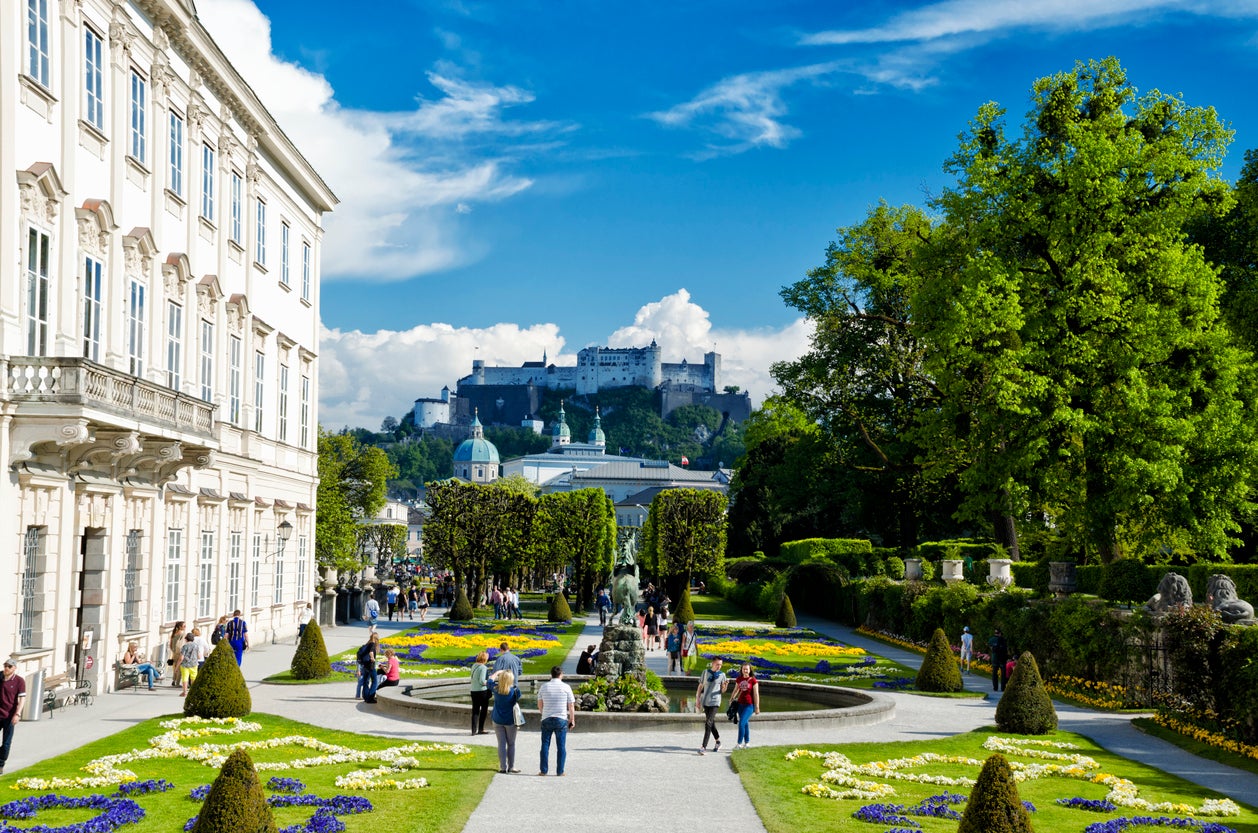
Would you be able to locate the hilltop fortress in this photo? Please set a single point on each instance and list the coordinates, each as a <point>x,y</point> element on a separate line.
<point>512,395</point>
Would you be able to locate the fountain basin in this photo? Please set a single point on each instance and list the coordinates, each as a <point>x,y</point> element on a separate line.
<point>447,703</point>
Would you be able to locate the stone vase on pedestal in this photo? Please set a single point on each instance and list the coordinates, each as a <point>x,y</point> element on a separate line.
<point>999,574</point>
<point>1062,578</point>
<point>953,571</point>
<point>912,569</point>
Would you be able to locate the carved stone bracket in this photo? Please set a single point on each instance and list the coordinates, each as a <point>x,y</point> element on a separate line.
<point>51,440</point>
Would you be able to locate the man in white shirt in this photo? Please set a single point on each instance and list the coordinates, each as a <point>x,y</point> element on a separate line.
<point>558,706</point>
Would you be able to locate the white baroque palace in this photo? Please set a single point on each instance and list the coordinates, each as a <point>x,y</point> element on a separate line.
<point>159,308</point>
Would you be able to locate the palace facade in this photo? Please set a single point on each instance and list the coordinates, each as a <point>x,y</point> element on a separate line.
<point>159,307</point>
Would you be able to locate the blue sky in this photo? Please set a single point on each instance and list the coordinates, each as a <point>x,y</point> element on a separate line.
<point>526,176</point>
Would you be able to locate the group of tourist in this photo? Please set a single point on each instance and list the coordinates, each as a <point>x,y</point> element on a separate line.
<point>374,672</point>
<point>506,602</point>
<point>744,702</point>
<point>187,651</point>
<point>410,601</point>
<point>998,648</point>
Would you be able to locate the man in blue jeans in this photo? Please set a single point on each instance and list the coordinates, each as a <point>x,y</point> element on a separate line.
<point>558,706</point>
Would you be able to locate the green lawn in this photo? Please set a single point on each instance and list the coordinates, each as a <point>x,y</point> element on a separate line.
<point>710,607</point>
<point>775,785</point>
<point>456,781</point>
<point>447,644</point>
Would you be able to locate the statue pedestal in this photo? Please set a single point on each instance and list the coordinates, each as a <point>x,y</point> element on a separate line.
<point>621,652</point>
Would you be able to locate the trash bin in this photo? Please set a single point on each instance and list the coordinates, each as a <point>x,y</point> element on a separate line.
<point>34,696</point>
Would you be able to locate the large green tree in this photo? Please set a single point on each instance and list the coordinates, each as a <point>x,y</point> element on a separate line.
<point>684,535</point>
<point>577,530</point>
<point>352,480</point>
<point>862,381</point>
<point>1083,368</point>
<point>477,530</point>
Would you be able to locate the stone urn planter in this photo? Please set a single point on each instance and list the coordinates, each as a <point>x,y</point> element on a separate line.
<point>369,576</point>
<point>999,575</point>
<point>953,571</point>
<point>1062,578</point>
<point>331,576</point>
<point>912,569</point>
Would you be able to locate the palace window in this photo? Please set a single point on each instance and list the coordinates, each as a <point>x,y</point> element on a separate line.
<point>174,346</point>
<point>284,233</point>
<point>238,208</point>
<point>174,574</point>
<point>32,549</point>
<point>255,571</point>
<point>93,79</point>
<point>131,583</point>
<point>305,271</point>
<point>135,327</point>
<point>205,588</point>
<point>259,248</point>
<point>38,259</point>
<point>39,51</point>
<point>235,372</point>
<point>234,559</point>
<point>207,182</point>
<point>283,405</point>
<point>139,117</point>
<point>207,361</point>
<point>176,153</point>
<point>93,302</point>
<point>259,388</point>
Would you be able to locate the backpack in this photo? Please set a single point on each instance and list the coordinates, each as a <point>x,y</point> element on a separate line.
<point>216,636</point>
<point>364,654</point>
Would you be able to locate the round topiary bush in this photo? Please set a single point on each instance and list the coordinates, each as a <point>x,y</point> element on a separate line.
<point>462,609</point>
<point>219,689</point>
<point>559,610</point>
<point>1025,708</point>
<point>310,660</point>
<point>236,803</point>
<point>939,671</point>
<point>994,805</point>
<point>786,613</point>
<point>683,611</point>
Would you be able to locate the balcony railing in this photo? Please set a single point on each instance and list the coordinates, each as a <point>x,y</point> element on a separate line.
<point>76,381</point>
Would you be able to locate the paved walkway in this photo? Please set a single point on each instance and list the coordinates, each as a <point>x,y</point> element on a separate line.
<point>658,767</point>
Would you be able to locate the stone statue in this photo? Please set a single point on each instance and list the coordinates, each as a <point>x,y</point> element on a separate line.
<point>1222,596</point>
<point>1173,594</point>
<point>625,581</point>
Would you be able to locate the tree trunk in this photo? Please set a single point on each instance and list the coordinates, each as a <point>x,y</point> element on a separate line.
<point>1005,531</point>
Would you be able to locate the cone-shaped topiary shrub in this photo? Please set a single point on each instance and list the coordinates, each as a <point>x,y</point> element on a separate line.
<point>1025,708</point>
<point>236,803</point>
<point>310,661</point>
<point>682,611</point>
<point>219,689</point>
<point>994,805</point>
<point>559,610</point>
<point>939,671</point>
<point>462,609</point>
<point>786,613</point>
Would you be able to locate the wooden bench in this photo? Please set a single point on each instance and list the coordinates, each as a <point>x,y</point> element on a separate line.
<point>60,690</point>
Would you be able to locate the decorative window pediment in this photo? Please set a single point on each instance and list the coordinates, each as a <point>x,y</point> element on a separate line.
<point>176,272</point>
<point>96,227</point>
<point>139,251</point>
<point>41,193</point>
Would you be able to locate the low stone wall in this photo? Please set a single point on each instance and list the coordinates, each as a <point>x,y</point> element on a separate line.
<point>846,707</point>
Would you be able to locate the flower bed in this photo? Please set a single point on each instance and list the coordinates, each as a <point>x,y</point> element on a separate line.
<point>795,655</point>
<point>157,768</point>
<point>904,786</point>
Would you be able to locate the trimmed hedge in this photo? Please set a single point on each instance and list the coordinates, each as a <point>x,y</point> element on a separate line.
<point>236,803</point>
<point>797,552</point>
<point>786,613</point>
<point>310,660</point>
<point>559,611</point>
<point>461,611</point>
<point>219,689</point>
<point>959,548</point>
<point>939,670</point>
<point>994,805</point>
<point>683,611</point>
<point>1025,708</point>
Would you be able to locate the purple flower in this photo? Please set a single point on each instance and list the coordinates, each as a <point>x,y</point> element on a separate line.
<point>285,785</point>
<point>1120,824</point>
<point>1092,805</point>
<point>115,812</point>
<point>159,785</point>
<point>199,793</point>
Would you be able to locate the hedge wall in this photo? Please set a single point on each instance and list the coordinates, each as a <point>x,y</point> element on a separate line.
<point>959,548</point>
<point>797,552</point>
<point>1244,575</point>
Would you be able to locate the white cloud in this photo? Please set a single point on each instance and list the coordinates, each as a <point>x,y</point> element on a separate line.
<point>684,330</point>
<point>364,377</point>
<point>401,177</point>
<point>959,17</point>
<point>745,109</point>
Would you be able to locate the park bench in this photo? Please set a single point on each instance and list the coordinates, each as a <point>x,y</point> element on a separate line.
<point>60,690</point>
<point>127,675</point>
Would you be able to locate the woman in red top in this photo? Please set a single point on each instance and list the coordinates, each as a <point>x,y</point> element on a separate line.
<point>746,694</point>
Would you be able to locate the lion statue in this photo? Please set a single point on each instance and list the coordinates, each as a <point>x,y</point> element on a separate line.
<point>1173,594</point>
<point>1221,593</point>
